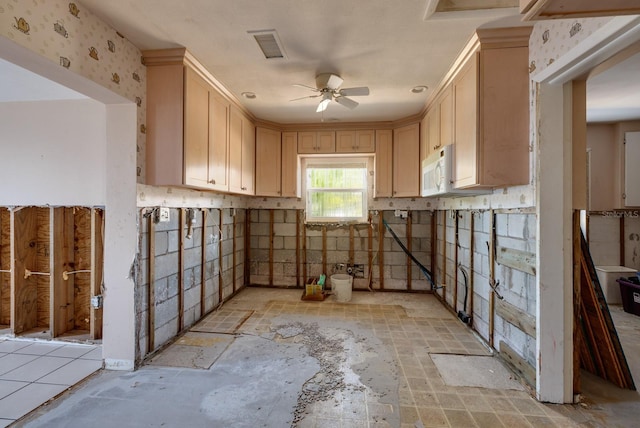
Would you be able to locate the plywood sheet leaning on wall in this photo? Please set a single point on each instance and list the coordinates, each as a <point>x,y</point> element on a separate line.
<point>5,268</point>
<point>600,349</point>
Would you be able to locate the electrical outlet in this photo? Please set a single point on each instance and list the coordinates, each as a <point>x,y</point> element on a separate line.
<point>164,215</point>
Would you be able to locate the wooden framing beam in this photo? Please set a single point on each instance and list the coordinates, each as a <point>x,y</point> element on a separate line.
<point>577,303</point>
<point>522,367</point>
<point>97,270</point>
<point>324,249</point>
<point>523,261</point>
<point>351,245</point>
<point>472,243</point>
<point>370,250</point>
<point>408,232</point>
<point>455,263</point>
<point>271,247</point>
<point>298,247</point>
<point>233,255</point>
<point>304,255</point>
<point>492,274</point>
<point>247,247</point>
<point>434,248</point>
<point>444,256</point>
<point>517,317</point>
<point>6,266</point>
<point>203,265</point>
<point>220,264</point>
<point>181,270</point>
<point>381,248</point>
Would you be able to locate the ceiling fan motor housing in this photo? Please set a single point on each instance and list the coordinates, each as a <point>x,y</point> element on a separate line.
<point>329,81</point>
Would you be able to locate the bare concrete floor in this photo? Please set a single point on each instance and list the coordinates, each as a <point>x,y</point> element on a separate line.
<point>268,359</point>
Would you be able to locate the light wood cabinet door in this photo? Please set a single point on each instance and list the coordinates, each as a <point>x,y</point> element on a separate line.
<point>268,162</point>
<point>361,141</point>
<point>218,141</point>
<point>248,157</point>
<point>307,142</point>
<point>433,130</point>
<point>290,166</point>
<point>406,161</point>
<point>384,164</point>
<point>424,138</point>
<point>241,153</point>
<point>465,92</point>
<point>445,125</point>
<point>326,142</point>
<point>196,131</point>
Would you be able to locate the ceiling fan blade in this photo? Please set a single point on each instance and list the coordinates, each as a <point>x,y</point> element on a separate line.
<point>323,105</point>
<point>347,102</point>
<point>305,86</point>
<point>304,98</point>
<point>359,91</point>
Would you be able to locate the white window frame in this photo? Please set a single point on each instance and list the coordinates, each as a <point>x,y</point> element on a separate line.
<point>365,161</point>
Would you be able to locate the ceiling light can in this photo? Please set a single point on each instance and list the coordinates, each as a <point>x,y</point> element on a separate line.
<point>248,95</point>
<point>419,89</point>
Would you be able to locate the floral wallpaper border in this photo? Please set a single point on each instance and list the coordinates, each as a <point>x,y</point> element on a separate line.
<point>71,36</point>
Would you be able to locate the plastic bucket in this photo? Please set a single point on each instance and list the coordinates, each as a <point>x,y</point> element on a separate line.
<point>341,286</point>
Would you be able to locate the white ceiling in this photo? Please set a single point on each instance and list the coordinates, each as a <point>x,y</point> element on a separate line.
<point>385,45</point>
<point>370,43</point>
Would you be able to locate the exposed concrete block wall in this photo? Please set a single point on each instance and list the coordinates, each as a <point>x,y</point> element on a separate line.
<point>605,231</point>
<point>284,251</point>
<point>172,238</point>
<point>466,242</point>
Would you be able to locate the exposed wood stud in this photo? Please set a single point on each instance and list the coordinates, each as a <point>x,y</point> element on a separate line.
<point>622,241</point>
<point>5,268</point>
<point>98,271</point>
<point>203,265</point>
<point>492,273</point>
<point>13,283</point>
<point>151,300</point>
<point>82,236</point>
<point>63,291</point>
<point>271,233</point>
<point>444,256</point>
<point>455,262</point>
<point>233,254</point>
<point>434,247</point>
<point>370,250</point>
<point>220,264</point>
<point>472,240</point>
<point>247,247</point>
<point>577,302</point>
<point>298,248</point>
<point>351,245</point>
<point>181,270</point>
<point>409,247</point>
<point>381,231</point>
<point>324,249</point>
<point>304,254</point>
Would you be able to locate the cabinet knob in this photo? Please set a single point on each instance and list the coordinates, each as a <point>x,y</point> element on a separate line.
<point>243,188</point>
<point>212,181</point>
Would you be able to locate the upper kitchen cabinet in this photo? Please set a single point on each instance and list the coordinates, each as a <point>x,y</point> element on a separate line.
<point>384,167</point>
<point>268,162</point>
<point>406,161</point>
<point>188,124</point>
<point>548,9</point>
<point>491,110</point>
<point>320,142</point>
<point>438,124</point>
<point>242,148</point>
<point>360,141</point>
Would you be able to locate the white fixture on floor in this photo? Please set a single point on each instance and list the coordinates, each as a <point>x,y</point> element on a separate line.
<point>607,276</point>
<point>341,286</point>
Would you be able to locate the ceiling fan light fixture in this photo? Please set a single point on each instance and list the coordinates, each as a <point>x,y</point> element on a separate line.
<point>324,103</point>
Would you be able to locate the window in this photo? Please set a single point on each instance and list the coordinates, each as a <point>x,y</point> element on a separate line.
<point>335,189</point>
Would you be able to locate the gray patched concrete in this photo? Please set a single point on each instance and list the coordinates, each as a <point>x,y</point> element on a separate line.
<point>246,387</point>
<point>475,371</point>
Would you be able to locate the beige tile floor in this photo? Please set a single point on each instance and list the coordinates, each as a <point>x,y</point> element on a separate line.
<point>34,372</point>
<point>414,327</point>
<point>413,331</point>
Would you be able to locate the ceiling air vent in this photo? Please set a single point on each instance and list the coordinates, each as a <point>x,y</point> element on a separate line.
<point>269,43</point>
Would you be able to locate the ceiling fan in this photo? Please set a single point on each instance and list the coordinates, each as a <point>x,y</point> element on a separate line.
<point>328,87</point>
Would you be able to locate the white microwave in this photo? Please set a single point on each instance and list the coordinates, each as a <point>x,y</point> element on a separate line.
<point>438,175</point>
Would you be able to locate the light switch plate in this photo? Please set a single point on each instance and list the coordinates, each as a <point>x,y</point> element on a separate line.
<point>163,215</point>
